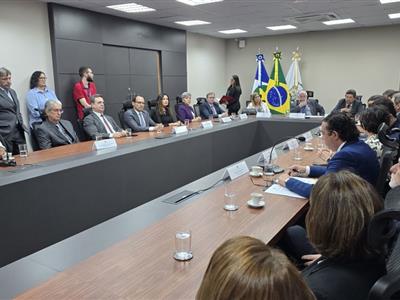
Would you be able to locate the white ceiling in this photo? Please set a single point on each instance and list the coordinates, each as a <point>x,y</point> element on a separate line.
<point>250,15</point>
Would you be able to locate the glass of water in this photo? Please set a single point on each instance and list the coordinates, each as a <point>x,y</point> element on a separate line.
<point>183,245</point>
<point>23,150</point>
<point>128,132</point>
<point>230,198</point>
<point>297,154</point>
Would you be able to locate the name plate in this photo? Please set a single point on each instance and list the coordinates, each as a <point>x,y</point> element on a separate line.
<point>180,129</point>
<point>297,116</point>
<point>263,115</point>
<point>236,170</point>
<point>308,136</point>
<point>293,144</point>
<point>243,116</point>
<point>266,154</point>
<point>226,120</point>
<point>207,124</point>
<point>105,144</point>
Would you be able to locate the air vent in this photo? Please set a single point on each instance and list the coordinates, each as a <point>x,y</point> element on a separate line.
<point>321,17</point>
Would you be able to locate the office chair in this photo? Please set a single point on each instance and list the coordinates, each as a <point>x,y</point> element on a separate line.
<point>386,162</point>
<point>34,142</point>
<point>196,108</point>
<point>383,235</point>
<point>152,104</point>
<point>125,106</point>
<point>201,100</point>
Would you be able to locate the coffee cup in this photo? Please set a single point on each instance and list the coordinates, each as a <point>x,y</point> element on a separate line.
<point>256,170</point>
<point>256,198</point>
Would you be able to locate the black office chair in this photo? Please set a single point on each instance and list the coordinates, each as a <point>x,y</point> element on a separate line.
<point>196,108</point>
<point>33,138</point>
<point>125,106</point>
<point>386,162</point>
<point>152,104</point>
<point>82,135</point>
<point>201,100</point>
<point>383,235</point>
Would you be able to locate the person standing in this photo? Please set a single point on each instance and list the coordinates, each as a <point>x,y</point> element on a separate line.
<point>37,97</point>
<point>83,90</point>
<point>234,91</point>
<point>11,123</point>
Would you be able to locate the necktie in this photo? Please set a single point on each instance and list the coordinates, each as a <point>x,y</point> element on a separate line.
<point>64,133</point>
<point>107,125</point>
<point>214,111</point>
<point>141,118</point>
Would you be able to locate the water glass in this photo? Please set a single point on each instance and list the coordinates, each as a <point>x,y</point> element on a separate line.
<point>99,137</point>
<point>183,245</point>
<point>320,144</point>
<point>23,150</point>
<point>128,132</point>
<point>187,122</point>
<point>230,198</point>
<point>297,154</point>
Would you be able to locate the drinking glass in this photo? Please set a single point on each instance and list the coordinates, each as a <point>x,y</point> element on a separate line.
<point>23,151</point>
<point>230,198</point>
<point>183,245</point>
<point>128,132</point>
<point>297,154</point>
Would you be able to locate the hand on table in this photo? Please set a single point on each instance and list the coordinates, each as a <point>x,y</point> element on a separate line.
<point>310,258</point>
<point>282,179</point>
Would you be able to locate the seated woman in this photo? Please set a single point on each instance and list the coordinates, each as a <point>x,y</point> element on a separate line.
<point>185,111</point>
<point>341,206</point>
<point>162,113</point>
<point>37,96</point>
<point>257,104</point>
<point>245,268</point>
<point>370,119</point>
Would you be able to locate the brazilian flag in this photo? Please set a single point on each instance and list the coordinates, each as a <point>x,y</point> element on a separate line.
<point>278,97</point>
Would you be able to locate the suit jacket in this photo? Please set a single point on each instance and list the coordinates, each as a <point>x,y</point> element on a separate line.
<point>3,142</point>
<point>356,157</point>
<point>344,280</point>
<point>93,126</point>
<point>356,108</point>
<point>163,119</point>
<point>11,122</point>
<point>206,110</point>
<point>392,199</point>
<point>131,118</point>
<point>48,135</point>
<point>184,112</point>
<point>315,108</point>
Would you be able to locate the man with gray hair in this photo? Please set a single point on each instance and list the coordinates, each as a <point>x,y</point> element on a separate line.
<point>307,106</point>
<point>54,131</point>
<point>11,123</point>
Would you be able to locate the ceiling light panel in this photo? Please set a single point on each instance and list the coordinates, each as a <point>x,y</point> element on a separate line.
<point>192,22</point>
<point>198,2</point>
<point>389,1</point>
<point>339,22</point>
<point>394,16</point>
<point>281,27</point>
<point>232,31</point>
<point>131,8</point>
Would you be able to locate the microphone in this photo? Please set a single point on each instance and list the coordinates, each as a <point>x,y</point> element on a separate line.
<point>271,169</point>
<point>385,139</point>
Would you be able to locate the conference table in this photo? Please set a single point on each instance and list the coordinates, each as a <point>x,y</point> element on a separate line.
<point>63,191</point>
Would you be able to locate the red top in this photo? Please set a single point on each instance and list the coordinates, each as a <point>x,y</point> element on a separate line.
<point>81,92</point>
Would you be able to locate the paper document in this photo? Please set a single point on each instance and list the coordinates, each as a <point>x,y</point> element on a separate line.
<point>280,190</point>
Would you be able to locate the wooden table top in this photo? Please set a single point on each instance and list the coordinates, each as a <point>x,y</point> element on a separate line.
<point>142,266</point>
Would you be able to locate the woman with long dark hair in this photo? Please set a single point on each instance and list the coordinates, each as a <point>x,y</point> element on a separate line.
<point>234,91</point>
<point>162,113</point>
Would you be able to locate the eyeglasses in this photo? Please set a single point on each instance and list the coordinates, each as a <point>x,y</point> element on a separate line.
<point>58,110</point>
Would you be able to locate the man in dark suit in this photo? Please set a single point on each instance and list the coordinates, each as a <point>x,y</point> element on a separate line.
<point>307,106</point>
<point>11,123</point>
<point>340,135</point>
<point>210,108</point>
<point>138,119</point>
<point>97,124</point>
<point>349,104</point>
<point>54,131</point>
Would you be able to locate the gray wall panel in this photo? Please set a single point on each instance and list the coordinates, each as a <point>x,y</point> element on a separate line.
<point>116,60</point>
<point>173,63</point>
<point>145,86</point>
<point>65,83</point>
<point>174,85</point>
<point>143,62</point>
<point>76,24</point>
<point>116,89</point>
<point>71,55</point>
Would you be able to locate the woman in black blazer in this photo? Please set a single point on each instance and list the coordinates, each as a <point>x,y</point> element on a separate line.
<point>162,113</point>
<point>234,91</point>
<point>341,206</point>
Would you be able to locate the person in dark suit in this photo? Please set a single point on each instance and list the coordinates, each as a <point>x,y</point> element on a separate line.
<point>349,104</point>
<point>340,134</point>
<point>234,90</point>
<point>211,108</point>
<point>341,207</point>
<point>11,123</point>
<point>162,113</point>
<point>307,106</point>
<point>185,111</point>
<point>137,118</point>
<point>54,131</point>
<point>99,124</point>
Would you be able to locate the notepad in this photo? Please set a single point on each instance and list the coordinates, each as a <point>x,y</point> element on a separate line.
<point>277,189</point>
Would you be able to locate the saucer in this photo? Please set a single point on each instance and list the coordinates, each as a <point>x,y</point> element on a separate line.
<point>255,174</point>
<point>252,204</point>
<point>308,148</point>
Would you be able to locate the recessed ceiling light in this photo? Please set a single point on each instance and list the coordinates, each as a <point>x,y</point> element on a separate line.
<point>232,31</point>
<point>394,16</point>
<point>131,8</point>
<point>192,23</point>
<point>338,22</point>
<point>281,27</point>
<point>198,2</point>
<point>389,1</point>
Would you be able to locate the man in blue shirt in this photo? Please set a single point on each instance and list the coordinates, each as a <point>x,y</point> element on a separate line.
<point>38,95</point>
